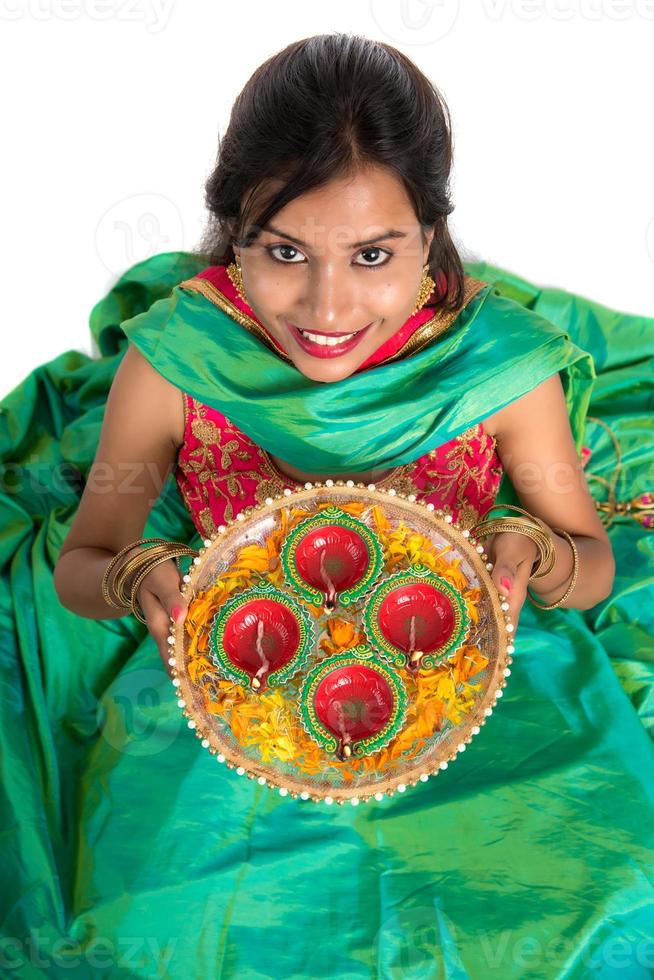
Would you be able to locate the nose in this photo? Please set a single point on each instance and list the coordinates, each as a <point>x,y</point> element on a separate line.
<point>331,299</point>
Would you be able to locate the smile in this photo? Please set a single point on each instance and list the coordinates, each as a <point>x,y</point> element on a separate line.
<point>327,345</point>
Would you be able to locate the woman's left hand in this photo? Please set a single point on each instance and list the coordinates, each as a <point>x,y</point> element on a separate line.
<point>513,556</point>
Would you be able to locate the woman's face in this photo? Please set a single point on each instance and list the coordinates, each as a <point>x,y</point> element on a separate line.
<point>331,267</point>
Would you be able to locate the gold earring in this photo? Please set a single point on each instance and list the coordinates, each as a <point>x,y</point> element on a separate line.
<point>427,285</point>
<point>236,276</point>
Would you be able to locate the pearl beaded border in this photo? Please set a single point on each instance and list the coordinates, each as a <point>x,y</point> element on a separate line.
<point>400,787</point>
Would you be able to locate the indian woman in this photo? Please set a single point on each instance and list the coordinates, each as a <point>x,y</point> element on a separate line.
<point>328,327</point>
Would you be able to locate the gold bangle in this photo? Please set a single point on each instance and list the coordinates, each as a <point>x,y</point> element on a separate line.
<point>574,573</point>
<point>133,564</point>
<point>549,558</point>
<point>134,604</point>
<point>143,560</point>
<point>106,590</point>
<point>539,571</point>
<point>532,527</point>
<point>546,555</point>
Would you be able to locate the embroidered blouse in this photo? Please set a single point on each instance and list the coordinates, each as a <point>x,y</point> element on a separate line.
<point>220,471</point>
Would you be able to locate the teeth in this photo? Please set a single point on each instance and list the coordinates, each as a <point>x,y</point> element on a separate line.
<point>326,341</point>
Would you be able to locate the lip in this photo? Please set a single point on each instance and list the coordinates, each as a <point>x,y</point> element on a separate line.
<point>321,350</point>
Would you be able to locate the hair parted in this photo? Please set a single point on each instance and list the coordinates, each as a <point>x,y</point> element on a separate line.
<point>324,108</point>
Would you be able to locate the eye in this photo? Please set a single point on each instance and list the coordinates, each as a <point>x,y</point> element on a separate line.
<point>289,248</point>
<point>271,249</point>
<point>379,251</point>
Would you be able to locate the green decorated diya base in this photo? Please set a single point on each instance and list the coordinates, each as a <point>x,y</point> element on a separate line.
<point>363,662</point>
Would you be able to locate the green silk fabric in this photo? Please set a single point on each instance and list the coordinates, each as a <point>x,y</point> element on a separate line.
<point>392,413</point>
<point>128,851</point>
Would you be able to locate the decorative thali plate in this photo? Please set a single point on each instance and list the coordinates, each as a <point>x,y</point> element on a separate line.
<point>342,642</point>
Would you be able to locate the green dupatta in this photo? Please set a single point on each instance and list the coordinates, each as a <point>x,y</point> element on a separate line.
<point>493,352</point>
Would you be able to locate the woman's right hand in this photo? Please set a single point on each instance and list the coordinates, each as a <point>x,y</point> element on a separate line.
<point>161,600</point>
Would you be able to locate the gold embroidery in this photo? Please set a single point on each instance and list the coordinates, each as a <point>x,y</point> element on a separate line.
<point>267,488</point>
<point>458,473</point>
<point>276,478</point>
<point>212,464</point>
<point>203,516</point>
<point>424,335</point>
<point>185,405</point>
<point>208,526</point>
<point>206,521</point>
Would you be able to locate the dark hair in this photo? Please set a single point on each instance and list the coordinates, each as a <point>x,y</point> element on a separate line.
<point>320,109</point>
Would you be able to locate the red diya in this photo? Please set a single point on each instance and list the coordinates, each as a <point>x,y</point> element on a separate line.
<point>346,742</point>
<point>332,556</point>
<point>261,637</point>
<point>416,618</point>
<point>352,704</point>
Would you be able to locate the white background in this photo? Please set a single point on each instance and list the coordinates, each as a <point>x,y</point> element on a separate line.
<point>111,113</point>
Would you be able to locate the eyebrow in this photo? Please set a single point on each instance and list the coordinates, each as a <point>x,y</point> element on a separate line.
<point>391,233</point>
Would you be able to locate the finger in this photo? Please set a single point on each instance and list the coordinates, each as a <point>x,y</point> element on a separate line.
<point>164,581</point>
<point>518,595</point>
<point>506,557</point>
<point>174,603</point>
<point>513,558</point>
<point>158,624</point>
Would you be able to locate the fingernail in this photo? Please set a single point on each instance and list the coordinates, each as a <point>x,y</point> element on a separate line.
<point>178,613</point>
<point>505,583</point>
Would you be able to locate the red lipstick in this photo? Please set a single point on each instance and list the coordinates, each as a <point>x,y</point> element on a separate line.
<point>322,350</point>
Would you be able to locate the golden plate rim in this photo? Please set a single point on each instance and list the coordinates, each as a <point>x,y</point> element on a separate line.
<point>464,732</point>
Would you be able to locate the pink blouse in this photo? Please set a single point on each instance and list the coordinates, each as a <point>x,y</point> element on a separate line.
<point>220,471</point>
